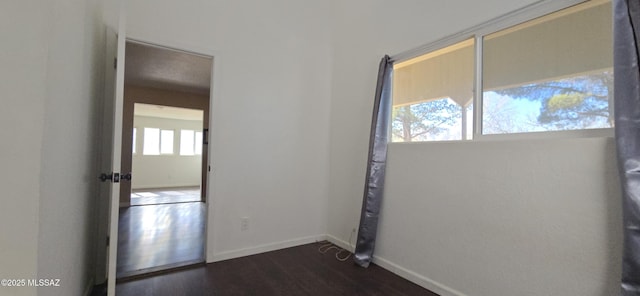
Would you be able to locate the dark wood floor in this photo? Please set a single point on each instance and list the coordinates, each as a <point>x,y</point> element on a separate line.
<point>156,236</point>
<point>295,271</point>
<point>141,197</point>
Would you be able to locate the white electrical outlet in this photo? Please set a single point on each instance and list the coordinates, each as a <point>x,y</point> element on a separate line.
<point>244,224</point>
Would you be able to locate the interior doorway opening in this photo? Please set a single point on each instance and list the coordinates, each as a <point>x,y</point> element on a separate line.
<point>162,214</point>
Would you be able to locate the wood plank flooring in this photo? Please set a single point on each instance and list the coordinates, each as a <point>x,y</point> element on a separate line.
<point>295,271</point>
<point>141,197</point>
<point>154,236</point>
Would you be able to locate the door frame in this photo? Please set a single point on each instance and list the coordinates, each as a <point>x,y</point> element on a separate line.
<point>214,92</point>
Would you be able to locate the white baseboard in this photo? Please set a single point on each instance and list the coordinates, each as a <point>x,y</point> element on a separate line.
<point>416,278</point>
<point>266,248</point>
<point>164,186</point>
<point>340,243</point>
<point>407,274</point>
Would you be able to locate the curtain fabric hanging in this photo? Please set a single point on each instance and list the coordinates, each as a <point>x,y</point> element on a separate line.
<point>627,126</point>
<point>374,181</point>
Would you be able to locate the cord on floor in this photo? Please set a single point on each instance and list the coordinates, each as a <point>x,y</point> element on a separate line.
<point>329,246</point>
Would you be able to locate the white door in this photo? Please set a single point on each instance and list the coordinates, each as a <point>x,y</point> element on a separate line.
<point>111,150</point>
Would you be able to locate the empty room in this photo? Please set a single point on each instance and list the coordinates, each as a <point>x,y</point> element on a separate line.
<point>308,147</point>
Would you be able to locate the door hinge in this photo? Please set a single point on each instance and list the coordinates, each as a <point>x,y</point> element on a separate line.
<point>108,240</point>
<point>115,63</point>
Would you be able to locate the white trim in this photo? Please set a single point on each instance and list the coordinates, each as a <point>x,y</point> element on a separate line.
<point>172,48</point>
<point>266,248</point>
<point>416,278</point>
<point>581,133</point>
<point>214,93</point>
<point>407,274</point>
<point>340,243</point>
<point>172,45</point>
<point>165,187</point>
<point>530,136</point>
<point>477,89</point>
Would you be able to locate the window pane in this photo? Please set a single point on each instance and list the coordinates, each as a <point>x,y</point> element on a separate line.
<point>134,140</point>
<point>552,73</point>
<point>166,142</point>
<point>186,142</point>
<point>429,93</point>
<point>438,120</point>
<point>198,147</point>
<point>151,144</point>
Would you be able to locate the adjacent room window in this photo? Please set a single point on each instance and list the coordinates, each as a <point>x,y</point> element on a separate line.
<point>166,142</point>
<point>187,142</point>
<point>433,95</point>
<point>151,144</point>
<point>135,130</point>
<point>157,141</point>
<point>198,143</point>
<point>190,142</point>
<point>551,73</point>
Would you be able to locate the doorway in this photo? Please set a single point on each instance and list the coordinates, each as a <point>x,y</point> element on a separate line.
<point>165,148</point>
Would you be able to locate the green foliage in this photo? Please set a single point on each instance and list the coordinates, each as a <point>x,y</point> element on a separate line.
<point>571,103</point>
<point>564,101</point>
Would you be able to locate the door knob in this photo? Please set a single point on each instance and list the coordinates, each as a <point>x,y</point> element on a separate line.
<point>113,177</point>
<point>104,177</point>
<point>126,176</point>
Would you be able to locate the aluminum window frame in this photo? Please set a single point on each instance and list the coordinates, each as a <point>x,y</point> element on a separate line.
<point>478,33</point>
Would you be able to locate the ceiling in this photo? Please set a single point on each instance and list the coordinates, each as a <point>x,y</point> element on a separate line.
<point>157,67</point>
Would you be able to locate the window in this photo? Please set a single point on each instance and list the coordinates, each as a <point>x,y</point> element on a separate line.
<point>151,145</point>
<point>430,93</point>
<point>190,142</point>
<point>552,73</point>
<point>134,140</point>
<point>166,142</point>
<point>198,148</point>
<point>157,141</point>
<point>187,142</point>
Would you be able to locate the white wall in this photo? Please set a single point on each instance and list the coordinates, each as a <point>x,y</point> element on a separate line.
<point>23,57</point>
<point>48,84</point>
<point>535,217</point>
<point>162,171</point>
<point>270,114</point>
<point>538,217</point>
<point>66,241</point>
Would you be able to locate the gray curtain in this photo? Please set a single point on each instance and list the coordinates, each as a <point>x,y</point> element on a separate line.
<point>627,122</point>
<point>374,180</point>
